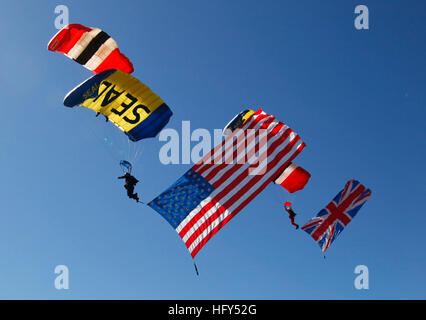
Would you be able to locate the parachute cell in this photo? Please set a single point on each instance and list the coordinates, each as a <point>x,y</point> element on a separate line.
<point>125,101</point>
<point>293,178</point>
<point>91,47</point>
<point>237,121</point>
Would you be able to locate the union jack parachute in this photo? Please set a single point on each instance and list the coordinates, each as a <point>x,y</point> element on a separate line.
<point>330,221</point>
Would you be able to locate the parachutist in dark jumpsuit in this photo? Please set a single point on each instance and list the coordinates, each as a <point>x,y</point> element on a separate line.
<point>291,215</point>
<point>131,181</point>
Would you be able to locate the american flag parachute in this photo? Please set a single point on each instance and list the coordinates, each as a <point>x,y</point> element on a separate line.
<point>226,179</point>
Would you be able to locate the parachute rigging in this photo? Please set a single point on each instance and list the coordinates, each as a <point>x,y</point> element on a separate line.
<point>126,166</point>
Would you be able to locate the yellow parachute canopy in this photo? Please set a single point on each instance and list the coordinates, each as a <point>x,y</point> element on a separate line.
<point>125,101</point>
<point>237,121</point>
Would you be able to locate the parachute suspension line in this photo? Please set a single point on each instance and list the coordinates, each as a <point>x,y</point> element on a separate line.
<point>196,269</point>
<point>103,143</point>
<point>138,150</point>
<point>124,170</point>
<point>278,193</point>
<point>128,149</point>
<point>133,150</point>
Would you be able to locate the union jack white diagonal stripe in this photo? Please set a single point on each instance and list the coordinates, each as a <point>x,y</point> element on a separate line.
<point>330,221</point>
<point>215,189</point>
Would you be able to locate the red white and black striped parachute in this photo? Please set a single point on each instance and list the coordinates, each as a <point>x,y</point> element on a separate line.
<point>91,47</point>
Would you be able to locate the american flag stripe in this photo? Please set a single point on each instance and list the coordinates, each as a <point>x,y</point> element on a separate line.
<point>220,209</point>
<point>247,146</point>
<point>230,174</point>
<point>229,197</point>
<point>233,201</point>
<point>236,150</point>
<point>232,182</point>
<point>226,179</point>
<point>195,248</point>
<point>220,170</point>
<point>227,193</point>
<point>243,183</point>
<point>200,167</point>
<point>214,156</point>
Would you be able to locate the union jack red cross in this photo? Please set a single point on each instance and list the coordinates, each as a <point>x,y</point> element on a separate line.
<point>330,221</point>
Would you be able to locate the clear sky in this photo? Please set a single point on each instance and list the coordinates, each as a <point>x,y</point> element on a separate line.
<point>356,97</point>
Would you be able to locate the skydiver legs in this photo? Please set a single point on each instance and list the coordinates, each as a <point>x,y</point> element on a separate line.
<point>131,181</point>
<point>291,214</point>
<point>131,194</point>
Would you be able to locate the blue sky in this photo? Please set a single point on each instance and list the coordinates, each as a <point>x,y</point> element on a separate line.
<point>357,98</point>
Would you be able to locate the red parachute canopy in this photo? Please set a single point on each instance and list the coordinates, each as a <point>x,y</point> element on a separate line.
<point>91,47</point>
<point>293,178</point>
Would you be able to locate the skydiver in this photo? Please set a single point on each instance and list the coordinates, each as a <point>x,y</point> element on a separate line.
<point>130,184</point>
<point>98,113</point>
<point>291,214</point>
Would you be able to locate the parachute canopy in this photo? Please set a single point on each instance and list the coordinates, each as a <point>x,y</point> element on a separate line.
<point>91,47</point>
<point>237,121</point>
<point>287,205</point>
<point>126,166</point>
<point>125,101</point>
<point>293,178</point>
